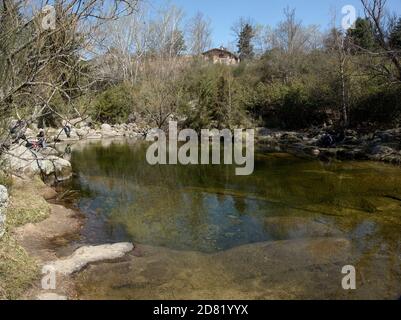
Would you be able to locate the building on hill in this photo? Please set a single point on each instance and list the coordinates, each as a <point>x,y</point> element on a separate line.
<point>221,55</point>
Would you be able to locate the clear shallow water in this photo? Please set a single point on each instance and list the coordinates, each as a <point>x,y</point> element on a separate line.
<point>209,210</point>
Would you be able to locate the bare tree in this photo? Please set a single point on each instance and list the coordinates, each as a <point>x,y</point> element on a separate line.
<point>291,36</point>
<point>123,46</point>
<point>43,54</point>
<point>199,34</point>
<point>166,35</point>
<point>337,42</point>
<point>375,11</point>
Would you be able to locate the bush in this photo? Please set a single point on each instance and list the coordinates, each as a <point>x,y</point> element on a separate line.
<point>114,105</point>
<point>382,107</point>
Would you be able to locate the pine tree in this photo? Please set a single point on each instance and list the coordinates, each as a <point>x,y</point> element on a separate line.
<point>245,47</point>
<point>363,34</point>
<point>176,43</point>
<point>395,36</point>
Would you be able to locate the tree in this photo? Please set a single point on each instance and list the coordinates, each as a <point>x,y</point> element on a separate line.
<point>199,34</point>
<point>375,12</point>
<point>337,43</point>
<point>290,35</point>
<point>244,31</point>
<point>42,67</point>
<point>175,44</point>
<point>395,36</point>
<point>245,46</point>
<point>166,39</point>
<point>362,36</point>
<point>220,114</point>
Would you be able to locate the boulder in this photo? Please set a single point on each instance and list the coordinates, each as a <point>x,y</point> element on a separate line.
<point>106,127</point>
<point>111,134</point>
<point>48,151</point>
<point>27,162</point>
<point>380,150</point>
<point>30,134</point>
<point>94,135</point>
<point>63,137</point>
<point>90,254</point>
<point>83,132</point>
<point>108,131</point>
<point>3,206</point>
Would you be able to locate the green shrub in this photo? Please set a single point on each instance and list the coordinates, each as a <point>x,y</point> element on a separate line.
<point>114,105</point>
<point>382,107</point>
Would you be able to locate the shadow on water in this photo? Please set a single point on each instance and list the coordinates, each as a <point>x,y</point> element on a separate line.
<point>209,212</point>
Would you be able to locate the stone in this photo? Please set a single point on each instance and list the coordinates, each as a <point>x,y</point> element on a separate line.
<point>94,136</point>
<point>50,296</point>
<point>22,160</point>
<point>381,150</point>
<point>3,206</point>
<point>48,151</point>
<point>30,134</point>
<point>90,254</point>
<point>106,127</point>
<point>83,132</point>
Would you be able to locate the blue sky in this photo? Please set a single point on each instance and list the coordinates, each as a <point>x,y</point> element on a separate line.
<point>223,13</point>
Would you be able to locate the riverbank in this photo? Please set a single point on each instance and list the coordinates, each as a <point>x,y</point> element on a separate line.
<point>37,225</point>
<point>381,146</point>
<point>373,145</point>
<point>25,205</point>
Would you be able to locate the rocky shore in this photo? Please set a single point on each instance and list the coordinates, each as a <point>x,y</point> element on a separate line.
<point>31,228</point>
<point>379,145</point>
<point>384,146</point>
<point>39,228</point>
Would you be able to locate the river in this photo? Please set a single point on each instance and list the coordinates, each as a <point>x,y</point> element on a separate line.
<point>284,232</point>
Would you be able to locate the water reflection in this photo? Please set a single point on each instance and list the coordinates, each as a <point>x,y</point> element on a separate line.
<point>208,209</point>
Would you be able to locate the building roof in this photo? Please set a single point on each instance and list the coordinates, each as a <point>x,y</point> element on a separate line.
<point>221,50</point>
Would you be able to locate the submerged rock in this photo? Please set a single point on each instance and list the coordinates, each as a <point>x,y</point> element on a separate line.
<point>3,205</point>
<point>86,255</point>
<point>294,269</point>
<point>297,228</point>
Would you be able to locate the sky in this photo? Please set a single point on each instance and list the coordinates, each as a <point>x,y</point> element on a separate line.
<point>223,13</point>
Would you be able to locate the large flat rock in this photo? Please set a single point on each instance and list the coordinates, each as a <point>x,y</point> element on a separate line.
<point>90,254</point>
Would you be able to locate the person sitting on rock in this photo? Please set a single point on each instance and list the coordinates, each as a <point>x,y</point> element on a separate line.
<point>41,139</point>
<point>67,130</point>
<point>326,141</point>
<point>17,131</point>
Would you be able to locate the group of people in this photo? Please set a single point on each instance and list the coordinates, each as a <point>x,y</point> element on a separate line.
<point>18,131</point>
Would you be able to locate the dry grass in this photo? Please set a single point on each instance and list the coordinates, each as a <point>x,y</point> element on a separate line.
<point>17,269</point>
<point>27,205</point>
